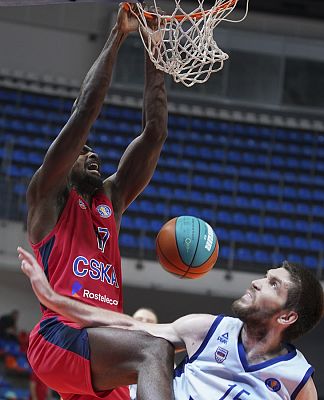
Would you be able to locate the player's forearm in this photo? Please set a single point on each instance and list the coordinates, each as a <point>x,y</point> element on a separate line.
<point>98,79</point>
<point>155,101</point>
<point>85,315</point>
<point>58,160</point>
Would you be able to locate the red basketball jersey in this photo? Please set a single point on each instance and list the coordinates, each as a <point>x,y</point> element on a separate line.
<point>81,256</point>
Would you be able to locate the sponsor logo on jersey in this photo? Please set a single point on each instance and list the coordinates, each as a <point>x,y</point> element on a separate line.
<point>76,287</point>
<point>273,384</point>
<point>97,296</point>
<point>95,269</point>
<point>82,205</point>
<point>220,354</point>
<point>223,338</point>
<point>104,211</point>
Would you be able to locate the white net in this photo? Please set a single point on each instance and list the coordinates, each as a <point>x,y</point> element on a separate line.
<point>182,44</point>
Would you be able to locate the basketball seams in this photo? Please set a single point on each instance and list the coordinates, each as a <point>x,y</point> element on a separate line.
<point>195,252</point>
<point>169,262</point>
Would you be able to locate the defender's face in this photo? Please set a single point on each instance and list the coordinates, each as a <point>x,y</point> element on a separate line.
<point>86,169</point>
<point>265,297</point>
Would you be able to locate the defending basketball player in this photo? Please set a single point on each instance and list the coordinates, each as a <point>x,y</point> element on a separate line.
<point>248,357</point>
<point>73,223</point>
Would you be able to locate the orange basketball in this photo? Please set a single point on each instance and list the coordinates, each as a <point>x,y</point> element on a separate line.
<point>187,247</point>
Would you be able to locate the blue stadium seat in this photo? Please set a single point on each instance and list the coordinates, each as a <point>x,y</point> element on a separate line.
<point>303,209</point>
<point>317,227</point>
<point>242,202</point>
<point>252,237</point>
<point>318,195</point>
<point>286,224</point>
<point>317,210</point>
<point>287,207</point>
<point>277,258</point>
<point>156,225</point>
<point>205,153</point>
<point>304,194</point>
<point>268,239</point>
<point>236,235</point>
<point>311,262</point>
<point>289,192</point>
<point>224,217</point>
<point>166,192</point>
<point>272,205</point>
<point>244,254</point>
<point>176,210</point>
<point>196,195</point>
<point>127,240</point>
<point>255,220</point>
<point>208,215</point>
<point>194,211</point>
<point>271,222</point>
<point>316,245</point>
<point>257,203</point>
<point>141,223</point>
<point>240,219</point>
<point>108,168</point>
<point>150,191</point>
<point>260,189</point>
<point>245,187</point>
<point>225,252</point>
<point>200,181</point>
<point>179,194</point>
<point>301,225</point>
<point>20,189</point>
<point>222,234</point>
<point>223,199</point>
<point>128,221</point>
<point>215,183</point>
<point>285,241</point>
<point>146,242</point>
<point>295,258</point>
<point>19,156</point>
<point>228,185</point>
<point>262,256</point>
<point>300,243</point>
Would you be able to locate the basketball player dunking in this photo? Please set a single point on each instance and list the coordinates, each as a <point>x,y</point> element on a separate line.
<point>244,358</point>
<point>73,222</point>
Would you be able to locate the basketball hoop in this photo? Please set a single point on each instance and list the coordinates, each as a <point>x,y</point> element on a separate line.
<point>182,44</point>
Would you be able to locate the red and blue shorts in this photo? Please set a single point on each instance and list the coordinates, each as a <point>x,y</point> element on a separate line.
<point>60,356</point>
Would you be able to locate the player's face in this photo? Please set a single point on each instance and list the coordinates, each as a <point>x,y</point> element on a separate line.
<point>86,169</point>
<point>265,298</point>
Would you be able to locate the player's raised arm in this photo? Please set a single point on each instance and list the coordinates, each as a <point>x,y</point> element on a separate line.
<point>139,161</point>
<point>49,184</point>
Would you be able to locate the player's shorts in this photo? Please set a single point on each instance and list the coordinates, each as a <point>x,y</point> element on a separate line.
<point>60,356</point>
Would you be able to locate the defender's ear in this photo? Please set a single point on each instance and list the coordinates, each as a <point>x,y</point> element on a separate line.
<point>287,318</point>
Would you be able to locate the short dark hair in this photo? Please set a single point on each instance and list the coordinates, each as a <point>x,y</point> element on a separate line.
<point>305,296</point>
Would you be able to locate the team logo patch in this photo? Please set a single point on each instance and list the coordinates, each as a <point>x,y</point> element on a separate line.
<point>76,287</point>
<point>273,384</point>
<point>220,354</point>
<point>82,205</point>
<point>104,211</point>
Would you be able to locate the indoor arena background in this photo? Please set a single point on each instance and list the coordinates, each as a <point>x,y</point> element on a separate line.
<point>245,151</point>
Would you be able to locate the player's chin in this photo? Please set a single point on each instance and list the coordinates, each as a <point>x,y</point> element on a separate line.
<point>95,180</point>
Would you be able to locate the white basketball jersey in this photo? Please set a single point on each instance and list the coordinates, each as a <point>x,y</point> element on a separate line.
<point>219,370</point>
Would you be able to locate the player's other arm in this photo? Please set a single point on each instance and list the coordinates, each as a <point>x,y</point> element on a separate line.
<point>308,392</point>
<point>139,161</point>
<point>186,332</point>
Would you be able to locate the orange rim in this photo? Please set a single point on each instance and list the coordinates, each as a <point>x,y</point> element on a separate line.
<point>197,15</point>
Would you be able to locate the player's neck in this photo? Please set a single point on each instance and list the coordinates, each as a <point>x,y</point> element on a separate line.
<point>261,344</point>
